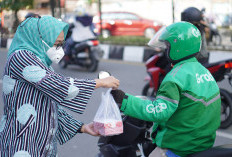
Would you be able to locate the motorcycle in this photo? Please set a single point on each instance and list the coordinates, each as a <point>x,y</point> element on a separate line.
<point>211,32</point>
<point>157,67</point>
<point>86,53</point>
<point>213,36</point>
<point>135,141</point>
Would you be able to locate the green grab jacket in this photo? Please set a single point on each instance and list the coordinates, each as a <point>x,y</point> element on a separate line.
<point>186,112</point>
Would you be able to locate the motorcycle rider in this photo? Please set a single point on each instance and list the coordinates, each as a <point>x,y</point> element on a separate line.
<point>196,17</point>
<point>186,111</point>
<point>81,30</point>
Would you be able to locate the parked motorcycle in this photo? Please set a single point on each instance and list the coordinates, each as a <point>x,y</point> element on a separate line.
<point>135,141</point>
<point>158,66</point>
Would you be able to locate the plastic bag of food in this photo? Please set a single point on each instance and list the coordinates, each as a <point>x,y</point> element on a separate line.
<point>108,120</point>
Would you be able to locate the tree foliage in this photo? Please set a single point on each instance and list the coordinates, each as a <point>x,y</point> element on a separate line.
<point>92,1</point>
<point>15,5</point>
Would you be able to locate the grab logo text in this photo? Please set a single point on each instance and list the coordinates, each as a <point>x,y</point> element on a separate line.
<point>201,78</point>
<point>156,109</point>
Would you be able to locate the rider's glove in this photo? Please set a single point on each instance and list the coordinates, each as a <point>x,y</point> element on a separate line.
<point>118,96</point>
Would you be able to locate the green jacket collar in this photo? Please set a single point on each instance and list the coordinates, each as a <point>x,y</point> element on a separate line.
<point>193,59</point>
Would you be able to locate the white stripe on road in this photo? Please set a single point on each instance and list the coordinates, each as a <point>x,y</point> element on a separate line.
<point>223,134</point>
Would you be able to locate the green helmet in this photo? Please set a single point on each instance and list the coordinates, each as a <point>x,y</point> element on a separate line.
<point>181,40</point>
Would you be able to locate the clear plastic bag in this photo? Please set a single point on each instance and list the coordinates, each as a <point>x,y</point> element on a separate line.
<point>108,120</point>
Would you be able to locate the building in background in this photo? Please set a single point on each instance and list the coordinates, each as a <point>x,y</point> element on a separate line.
<point>160,10</point>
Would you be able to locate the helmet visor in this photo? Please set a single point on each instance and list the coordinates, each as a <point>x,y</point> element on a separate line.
<point>157,44</point>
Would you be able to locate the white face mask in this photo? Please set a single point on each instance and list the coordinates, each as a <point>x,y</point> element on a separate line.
<point>54,54</point>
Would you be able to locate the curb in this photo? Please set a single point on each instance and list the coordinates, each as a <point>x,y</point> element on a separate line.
<point>143,53</point>
<point>118,52</point>
<point>126,53</point>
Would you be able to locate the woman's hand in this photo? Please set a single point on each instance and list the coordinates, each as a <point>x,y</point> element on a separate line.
<point>108,82</point>
<point>88,129</point>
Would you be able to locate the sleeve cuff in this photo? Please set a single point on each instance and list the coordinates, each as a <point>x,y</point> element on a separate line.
<point>79,130</point>
<point>124,102</point>
<point>68,127</point>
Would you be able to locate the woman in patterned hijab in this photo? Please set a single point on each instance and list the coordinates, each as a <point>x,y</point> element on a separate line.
<point>34,94</point>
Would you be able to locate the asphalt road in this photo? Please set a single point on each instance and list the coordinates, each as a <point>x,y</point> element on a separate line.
<point>131,76</point>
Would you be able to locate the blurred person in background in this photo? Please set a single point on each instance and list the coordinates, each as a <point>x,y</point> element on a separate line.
<point>196,17</point>
<point>186,111</point>
<point>30,14</point>
<point>81,29</point>
<point>34,94</point>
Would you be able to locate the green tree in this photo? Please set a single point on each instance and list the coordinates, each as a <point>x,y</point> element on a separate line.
<point>15,5</point>
<point>91,1</point>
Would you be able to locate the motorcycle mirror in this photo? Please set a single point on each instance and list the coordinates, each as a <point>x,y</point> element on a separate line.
<point>103,74</point>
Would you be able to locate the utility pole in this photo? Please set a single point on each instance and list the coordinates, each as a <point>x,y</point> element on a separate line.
<point>173,11</point>
<point>59,5</point>
<point>52,5</point>
<point>1,24</point>
<point>100,17</point>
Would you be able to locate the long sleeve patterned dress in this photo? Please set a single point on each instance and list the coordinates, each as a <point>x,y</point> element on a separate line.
<point>34,95</point>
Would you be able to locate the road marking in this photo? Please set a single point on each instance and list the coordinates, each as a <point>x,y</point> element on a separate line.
<point>223,134</point>
<point>122,62</point>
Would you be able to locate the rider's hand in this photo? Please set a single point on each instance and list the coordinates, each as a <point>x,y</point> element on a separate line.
<point>88,129</point>
<point>108,82</point>
<point>118,96</point>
